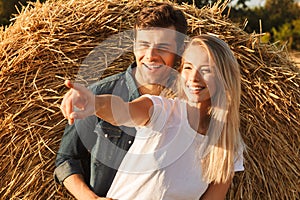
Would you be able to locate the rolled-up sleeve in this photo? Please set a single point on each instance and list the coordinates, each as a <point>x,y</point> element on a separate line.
<point>73,156</point>
<point>66,169</point>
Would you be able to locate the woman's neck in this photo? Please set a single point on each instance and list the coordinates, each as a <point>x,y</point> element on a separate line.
<point>198,115</point>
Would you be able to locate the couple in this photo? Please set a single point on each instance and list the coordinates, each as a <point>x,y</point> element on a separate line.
<point>185,148</point>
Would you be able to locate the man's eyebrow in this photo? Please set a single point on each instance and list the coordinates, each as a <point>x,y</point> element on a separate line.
<point>164,44</point>
<point>142,41</point>
<point>159,44</point>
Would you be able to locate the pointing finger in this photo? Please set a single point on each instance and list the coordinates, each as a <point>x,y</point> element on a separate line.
<point>69,84</point>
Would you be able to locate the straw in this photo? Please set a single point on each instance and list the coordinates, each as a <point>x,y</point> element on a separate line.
<point>48,43</point>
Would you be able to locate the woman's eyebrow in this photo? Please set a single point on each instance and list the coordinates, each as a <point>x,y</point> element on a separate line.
<point>187,62</point>
<point>204,66</point>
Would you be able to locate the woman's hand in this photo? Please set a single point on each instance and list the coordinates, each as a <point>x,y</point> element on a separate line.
<point>78,102</point>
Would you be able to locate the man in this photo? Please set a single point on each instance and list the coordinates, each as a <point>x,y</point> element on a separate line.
<point>92,149</point>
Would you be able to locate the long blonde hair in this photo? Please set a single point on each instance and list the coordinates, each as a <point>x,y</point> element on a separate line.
<point>223,137</point>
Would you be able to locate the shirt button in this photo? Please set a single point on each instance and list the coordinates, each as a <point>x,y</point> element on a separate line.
<point>105,135</point>
<point>129,142</point>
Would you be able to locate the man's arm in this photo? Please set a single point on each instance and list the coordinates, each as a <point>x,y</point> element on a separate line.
<point>73,157</point>
<point>78,188</point>
<point>216,191</point>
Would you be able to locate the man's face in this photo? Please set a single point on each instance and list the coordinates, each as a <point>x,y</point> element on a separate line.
<point>155,53</point>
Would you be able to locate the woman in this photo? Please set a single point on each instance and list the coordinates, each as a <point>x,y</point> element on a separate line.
<point>186,148</point>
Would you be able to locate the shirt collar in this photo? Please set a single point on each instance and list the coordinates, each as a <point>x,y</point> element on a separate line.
<point>131,84</point>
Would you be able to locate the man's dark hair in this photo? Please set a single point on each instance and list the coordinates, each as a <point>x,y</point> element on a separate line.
<point>163,15</point>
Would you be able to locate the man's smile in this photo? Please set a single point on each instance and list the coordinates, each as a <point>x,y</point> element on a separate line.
<point>152,66</point>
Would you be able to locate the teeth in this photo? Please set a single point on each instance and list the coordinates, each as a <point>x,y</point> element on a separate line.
<point>152,66</point>
<point>195,88</point>
<point>155,67</point>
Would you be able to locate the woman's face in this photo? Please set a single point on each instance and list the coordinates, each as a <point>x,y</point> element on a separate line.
<point>198,74</point>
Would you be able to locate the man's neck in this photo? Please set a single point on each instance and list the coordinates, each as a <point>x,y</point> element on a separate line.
<point>152,89</point>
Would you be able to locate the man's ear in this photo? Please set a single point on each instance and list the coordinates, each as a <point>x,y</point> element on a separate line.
<point>134,46</point>
<point>180,50</point>
<point>179,53</point>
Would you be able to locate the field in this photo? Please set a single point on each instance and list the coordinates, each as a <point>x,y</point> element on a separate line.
<point>295,56</point>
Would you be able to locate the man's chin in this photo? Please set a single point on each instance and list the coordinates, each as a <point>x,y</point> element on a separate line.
<point>155,83</point>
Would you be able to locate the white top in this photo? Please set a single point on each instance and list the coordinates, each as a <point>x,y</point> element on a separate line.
<point>162,163</point>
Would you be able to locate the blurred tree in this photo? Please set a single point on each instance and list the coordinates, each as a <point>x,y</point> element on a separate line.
<point>241,3</point>
<point>279,12</point>
<point>9,7</point>
<point>288,33</point>
<point>201,3</point>
<point>279,20</point>
<point>3,19</point>
<point>1,7</point>
<point>283,34</point>
<point>296,34</point>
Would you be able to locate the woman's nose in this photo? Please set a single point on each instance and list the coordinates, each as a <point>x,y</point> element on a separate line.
<point>195,76</point>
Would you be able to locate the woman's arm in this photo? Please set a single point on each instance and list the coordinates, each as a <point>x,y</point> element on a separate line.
<point>117,112</point>
<point>108,107</point>
<point>216,191</point>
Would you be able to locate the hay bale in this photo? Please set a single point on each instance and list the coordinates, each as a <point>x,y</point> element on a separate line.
<point>47,43</point>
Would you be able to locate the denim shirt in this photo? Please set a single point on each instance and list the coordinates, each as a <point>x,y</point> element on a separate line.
<point>94,148</point>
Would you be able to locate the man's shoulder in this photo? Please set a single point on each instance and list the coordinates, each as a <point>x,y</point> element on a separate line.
<point>107,83</point>
<point>109,79</point>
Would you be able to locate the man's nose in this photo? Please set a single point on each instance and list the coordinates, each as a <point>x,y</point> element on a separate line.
<point>150,53</point>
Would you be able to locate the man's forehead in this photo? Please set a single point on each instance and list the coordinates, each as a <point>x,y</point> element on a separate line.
<point>156,34</point>
<point>157,29</point>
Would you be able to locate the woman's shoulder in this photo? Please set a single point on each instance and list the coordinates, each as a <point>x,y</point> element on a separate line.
<point>161,100</point>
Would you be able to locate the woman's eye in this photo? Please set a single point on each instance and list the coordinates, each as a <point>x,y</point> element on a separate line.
<point>186,67</point>
<point>205,70</point>
<point>143,46</point>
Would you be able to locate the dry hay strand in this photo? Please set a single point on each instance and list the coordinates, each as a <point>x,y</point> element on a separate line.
<point>47,44</point>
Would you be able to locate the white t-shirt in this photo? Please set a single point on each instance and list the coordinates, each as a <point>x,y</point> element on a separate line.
<point>162,163</point>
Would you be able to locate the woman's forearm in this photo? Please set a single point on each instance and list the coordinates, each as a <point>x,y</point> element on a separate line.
<point>114,110</point>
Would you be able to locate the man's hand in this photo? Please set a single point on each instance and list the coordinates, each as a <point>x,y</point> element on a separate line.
<point>76,185</point>
<point>79,98</point>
